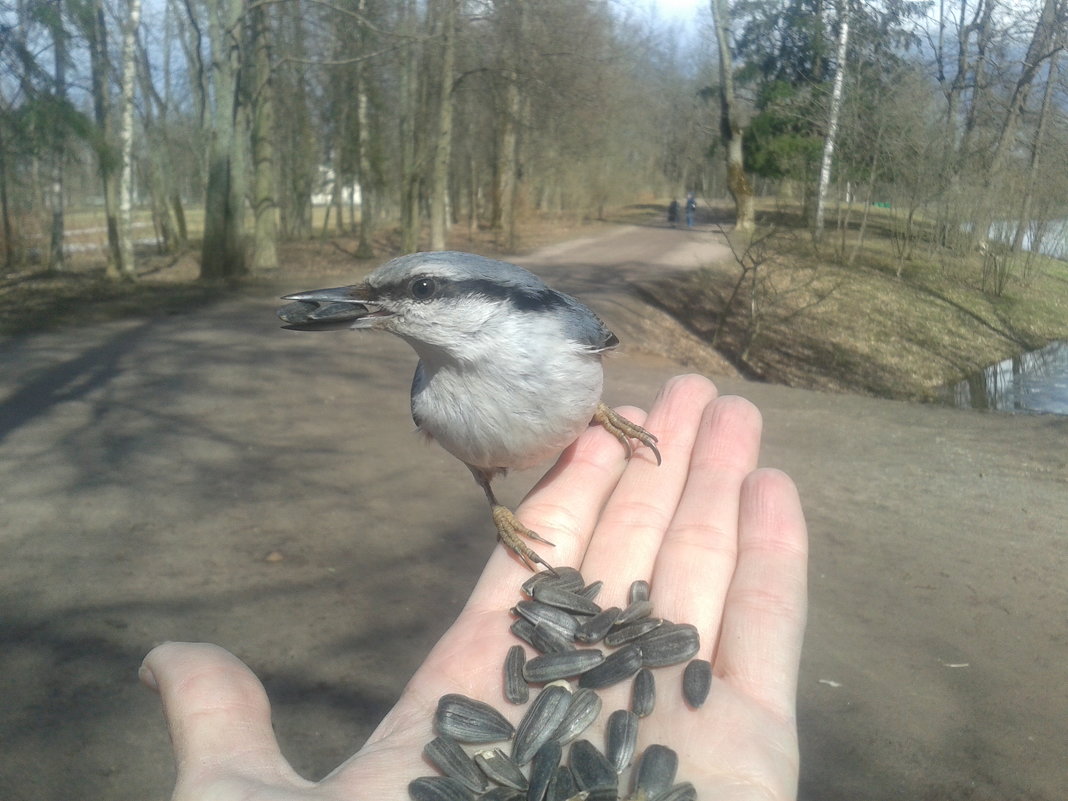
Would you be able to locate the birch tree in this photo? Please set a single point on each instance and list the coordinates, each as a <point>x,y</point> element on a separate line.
<point>126,138</point>
<point>443,144</point>
<point>833,114</point>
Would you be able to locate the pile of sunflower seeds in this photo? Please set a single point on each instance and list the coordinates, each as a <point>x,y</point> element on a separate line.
<point>559,617</point>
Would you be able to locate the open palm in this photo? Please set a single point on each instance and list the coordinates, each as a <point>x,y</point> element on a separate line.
<point>722,544</point>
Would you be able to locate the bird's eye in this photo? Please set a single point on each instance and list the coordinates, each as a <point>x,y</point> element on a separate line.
<point>422,288</point>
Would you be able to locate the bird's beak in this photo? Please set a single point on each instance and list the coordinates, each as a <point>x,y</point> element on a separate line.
<point>329,309</point>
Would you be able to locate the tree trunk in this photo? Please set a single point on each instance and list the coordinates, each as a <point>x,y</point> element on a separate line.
<point>1036,151</point>
<point>440,180</point>
<point>832,122</point>
<point>731,125</point>
<point>106,157</point>
<point>223,253</point>
<point>264,206</point>
<point>55,251</point>
<point>126,137</point>
<point>365,248</point>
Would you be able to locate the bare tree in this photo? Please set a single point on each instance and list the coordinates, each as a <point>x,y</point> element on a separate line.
<point>830,137</point>
<point>443,145</point>
<point>264,206</point>
<point>126,138</point>
<point>731,122</point>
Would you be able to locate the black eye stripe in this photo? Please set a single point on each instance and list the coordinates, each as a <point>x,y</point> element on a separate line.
<point>527,299</point>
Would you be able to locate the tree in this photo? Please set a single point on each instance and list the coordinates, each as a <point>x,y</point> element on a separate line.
<point>831,136</point>
<point>223,252</point>
<point>126,137</point>
<point>732,124</point>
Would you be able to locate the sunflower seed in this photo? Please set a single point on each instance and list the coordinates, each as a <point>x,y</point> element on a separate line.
<point>584,708</point>
<point>696,682</point>
<point>562,787</point>
<point>639,591</point>
<point>567,578</point>
<point>548,667</point>
<point>621,738</point>
<point>592,629</point>
<point>635,611</point>
<point>631,631</point>
<point>670,644</point>
<point>445,754</point>
<point>591,591</point>
<point>643,693</point>
<point>438,788</point>
<point>684,791</point>
<point>536,611</point>
<point>524,630</point>
<point>500,769</point>
<point>617,666</point>
<point>554,595</point>
<point>540,722</point>
<point>549,640</point>
<point>655,773</point>
<point>543,769</point>
<point>470,721</point>
<point>502,794</point>
<point>593,771</point>
<point>516,689</point>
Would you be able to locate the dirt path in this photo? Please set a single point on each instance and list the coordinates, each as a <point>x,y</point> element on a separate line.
<point>211,477</point>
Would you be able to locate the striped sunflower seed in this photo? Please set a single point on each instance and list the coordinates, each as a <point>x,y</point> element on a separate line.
<point>655,773</point>
<point>669,644</point>
<point>516,689</point>
<point>621,738</point>
<point>445,754</point>
<point>591,591</point>
<point>567,578</point>
<point>500,769</point>
<point>549,640</point>
<point>540,723</point>
<point>593,629</point>
<point>593,772</point>
<point>584,708</point>
<point>617,666</point>
<point>554,595</point>
<point>696,682</point>
<point>548,667</point>
<point>438,788</point>
<point>631,631</point>
<point>502,794</point>
<point>536,611</point>
<point>635,610</point>
<point>639,591</point>
<point>469,721</point>
<point>542,769</point>
<point>684,791</point>
<point>562,787</point>
<point>643,693</point>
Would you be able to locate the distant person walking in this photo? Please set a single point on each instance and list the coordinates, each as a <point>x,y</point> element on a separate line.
<point>673,213</point>
<point>691,209</point>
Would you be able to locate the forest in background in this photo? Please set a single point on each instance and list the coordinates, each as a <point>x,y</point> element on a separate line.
<point>950,118</point>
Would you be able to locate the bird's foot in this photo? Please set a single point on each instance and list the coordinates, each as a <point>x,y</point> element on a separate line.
<point>624,430</point>
<point>509,531</point>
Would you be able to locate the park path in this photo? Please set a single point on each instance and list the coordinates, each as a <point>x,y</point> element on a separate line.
<point>208,476</point>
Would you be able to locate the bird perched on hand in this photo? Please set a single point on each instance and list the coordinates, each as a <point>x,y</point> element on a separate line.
<point>509,370</point>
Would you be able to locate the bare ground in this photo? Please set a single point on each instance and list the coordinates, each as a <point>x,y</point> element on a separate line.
<point>205,475</point>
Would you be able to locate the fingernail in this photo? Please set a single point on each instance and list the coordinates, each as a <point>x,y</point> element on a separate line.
<point>148,678</point>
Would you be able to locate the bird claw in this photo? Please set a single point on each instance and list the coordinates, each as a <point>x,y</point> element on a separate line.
<point>624,430</point>
<point>509,530</point>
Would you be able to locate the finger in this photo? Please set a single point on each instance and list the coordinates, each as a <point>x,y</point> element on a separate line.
<point>629,533</point>
<point>218,716</point>
<point>563,507</point>
<point>695,564</point>
<point>764,616</point>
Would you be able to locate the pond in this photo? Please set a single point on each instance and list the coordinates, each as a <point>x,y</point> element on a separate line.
<point>1031,382</point>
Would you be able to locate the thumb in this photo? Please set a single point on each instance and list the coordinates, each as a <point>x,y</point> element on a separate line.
<point>218,716</point>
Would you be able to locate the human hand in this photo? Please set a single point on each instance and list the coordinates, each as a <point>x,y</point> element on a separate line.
<point>723,546</point>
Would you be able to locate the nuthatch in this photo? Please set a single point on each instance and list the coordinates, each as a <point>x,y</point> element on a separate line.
<point>509,370</point>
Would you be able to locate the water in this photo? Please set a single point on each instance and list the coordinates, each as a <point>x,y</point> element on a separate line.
<point>1054,236</point>
<point>1031,382</point>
